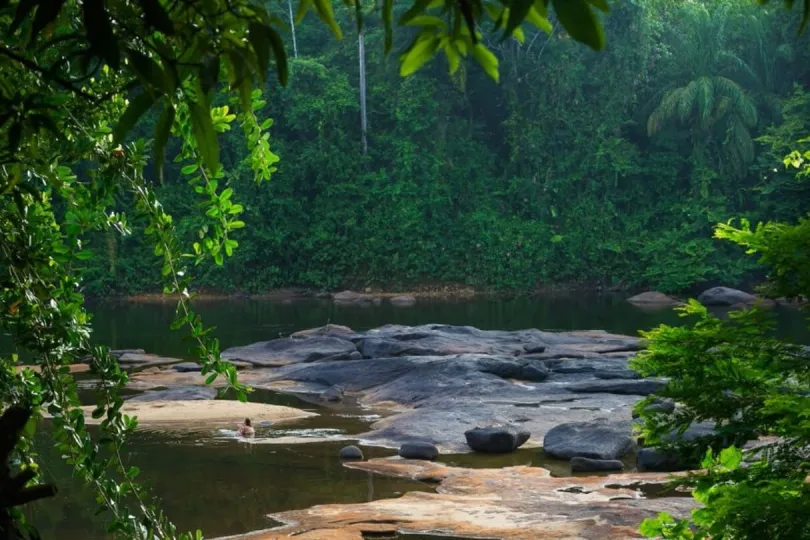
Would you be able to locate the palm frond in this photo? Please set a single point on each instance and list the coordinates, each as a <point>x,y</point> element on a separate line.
<point>705,98</point>
<point>687,100</point>
<point>667,109</point>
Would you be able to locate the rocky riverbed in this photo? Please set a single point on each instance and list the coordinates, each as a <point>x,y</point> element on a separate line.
<point>571,393</point>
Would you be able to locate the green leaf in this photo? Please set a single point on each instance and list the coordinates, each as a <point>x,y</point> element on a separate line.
<point>137,107</point>
<point>100,33</point>
<point>98,412</point>
<point>420,53</point>
<point>487,60</point>
<point>236,224</point>
<point>453,57</point>
<point>203,131</point>
<point>156,16</point>
<point>388,24</point>
<point>257,37</point>
<point>226,194</point>
<point>600,4</point>
<point>518,10</point>
<point>427,20</point>
<point>46,13</point>
<point>538,16</point>
<point>324,10</point>
<point>211,378</point>
<point>149,71</point>
<point>209,73</point>
<point>580,22</point>
<point>189,169</point>
<point>417,8</point>
<point>24,9</point>
<point>281,55</point>
<point>133,472</point>
<point>163,129</point>
<point>731,457</point>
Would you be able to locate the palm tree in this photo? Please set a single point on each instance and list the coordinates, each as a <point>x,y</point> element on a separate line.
<point>716,109</point>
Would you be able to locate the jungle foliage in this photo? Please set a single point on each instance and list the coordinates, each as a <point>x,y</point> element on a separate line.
<point>607,168</point>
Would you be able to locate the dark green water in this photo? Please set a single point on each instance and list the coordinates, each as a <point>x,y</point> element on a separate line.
<point>224,486</point>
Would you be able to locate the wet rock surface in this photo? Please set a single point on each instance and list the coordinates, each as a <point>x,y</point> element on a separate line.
<point>510,503</point>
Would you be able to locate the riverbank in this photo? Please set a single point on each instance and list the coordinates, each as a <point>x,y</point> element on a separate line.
<point>440,291</point>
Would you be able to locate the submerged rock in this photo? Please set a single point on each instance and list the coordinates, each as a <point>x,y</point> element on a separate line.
<point>496,439</point>
<point>583,464</point>
<point>597,439</point>
<point>725,296</point>
<point>351,453</point>
<point>419,450</point>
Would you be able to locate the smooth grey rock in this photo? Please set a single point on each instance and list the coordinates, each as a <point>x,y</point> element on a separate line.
<point>351,453</point>
<point>283,351</point>
<point>180,393</point>
<point>326,330</point>
<point>597,439</point>
<point>725,296</point>
<point>693,432</point>
<point>508,368</point>
<point>137,358</point>
<point>611,374</point>
<point>419,450</point>
<point>583,464</point>
<point>186,367</point>
<point>496,439</point>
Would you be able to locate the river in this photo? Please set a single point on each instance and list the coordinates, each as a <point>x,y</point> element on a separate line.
<point>210,481</point>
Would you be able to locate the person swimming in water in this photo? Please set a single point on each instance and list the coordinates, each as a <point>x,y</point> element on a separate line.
<point>246,430</point>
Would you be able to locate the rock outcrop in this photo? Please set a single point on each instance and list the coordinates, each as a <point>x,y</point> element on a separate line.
<point>516,503</point>
<point>441,381</point>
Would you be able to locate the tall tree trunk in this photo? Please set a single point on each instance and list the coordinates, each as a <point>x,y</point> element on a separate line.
<point>292,27</point>
<point>361,47</point>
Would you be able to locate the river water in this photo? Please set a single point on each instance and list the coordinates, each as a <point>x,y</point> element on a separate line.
<point>211,481</point>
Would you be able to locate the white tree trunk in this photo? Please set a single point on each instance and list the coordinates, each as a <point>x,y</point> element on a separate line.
<point>292,27</point>
<point>361,47</point>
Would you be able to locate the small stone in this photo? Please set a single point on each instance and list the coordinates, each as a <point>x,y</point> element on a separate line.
<point>333,394</point>
<point>496,439</point>
<point>583,464</point>
<point>351,453</point>
<point>418,450</point>
<point>653,298</point>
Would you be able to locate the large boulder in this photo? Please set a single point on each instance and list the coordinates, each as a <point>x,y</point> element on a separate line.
<point>653,299</point>
<point>496,439</point>
<point>725,296</point>
<point>418,450</point>
<point>351,453</point>
<point>283,351</point>
<point>583,464</point>
<point>597,439</point>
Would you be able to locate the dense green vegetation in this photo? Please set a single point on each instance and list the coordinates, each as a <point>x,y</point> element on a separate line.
<point>606,167</point>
